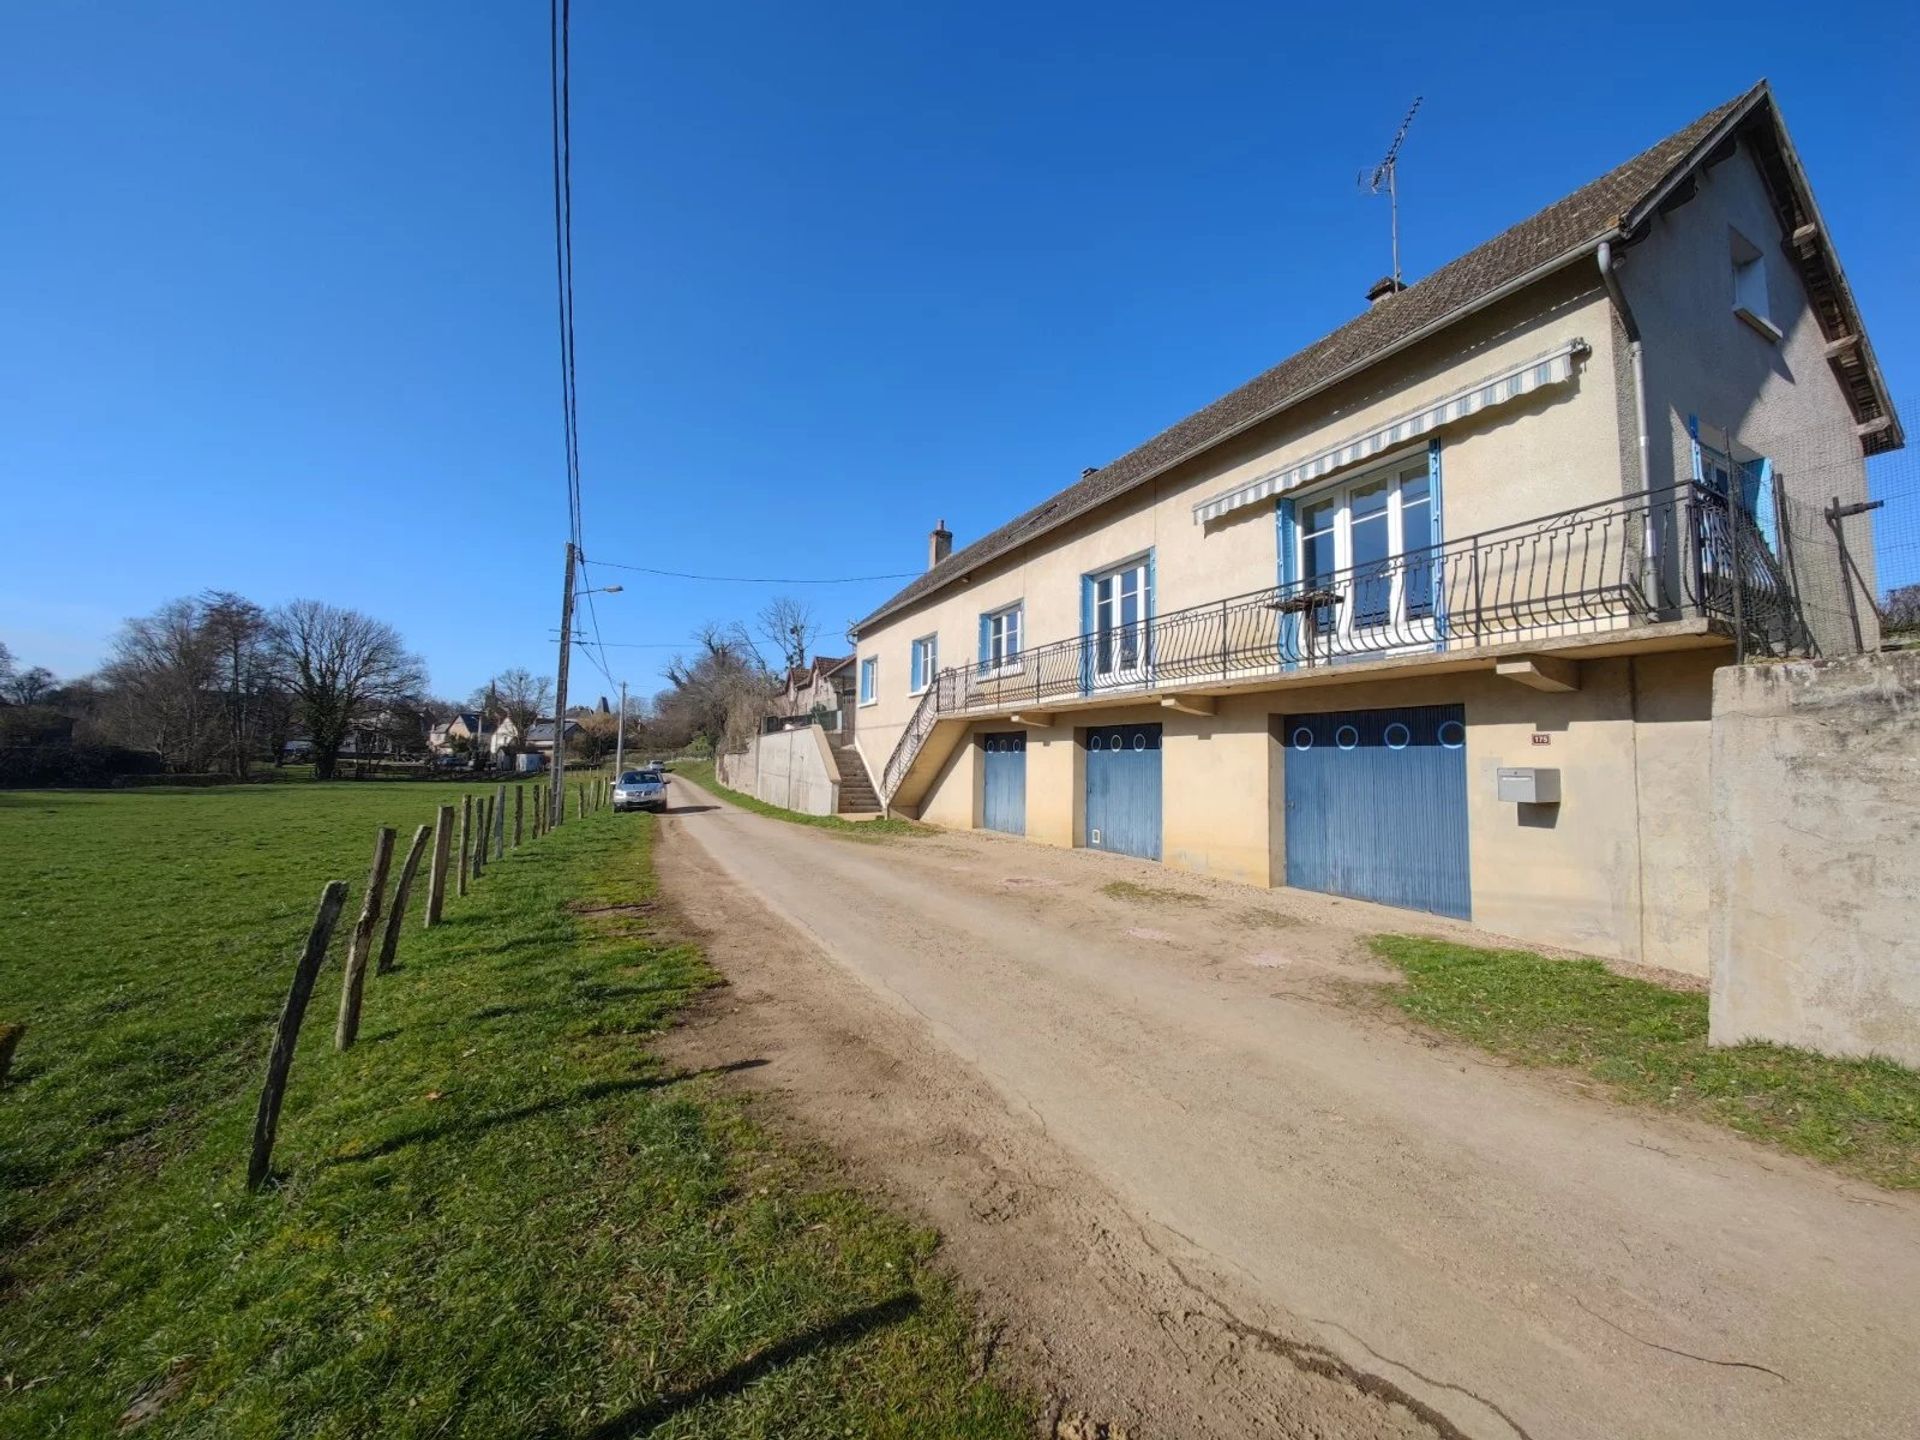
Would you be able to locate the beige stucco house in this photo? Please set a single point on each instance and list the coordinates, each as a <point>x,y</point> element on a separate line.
<point>1428,613</point>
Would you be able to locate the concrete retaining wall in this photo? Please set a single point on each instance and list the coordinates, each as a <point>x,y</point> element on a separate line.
<point>1815,782</point>
<point>793,769</point>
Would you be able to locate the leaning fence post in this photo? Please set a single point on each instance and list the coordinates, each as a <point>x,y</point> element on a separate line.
<point>500,823</point>
<point>466,835</point>
<point>266,1120</point>
<point>353,984</point>
<point>480,842</point>
<point>10,1033</point>
<point>397,911</point>
<point>519,812</point>
<point>437,878</point>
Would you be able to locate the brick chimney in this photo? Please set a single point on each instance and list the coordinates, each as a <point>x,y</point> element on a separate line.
<point>939,544</point>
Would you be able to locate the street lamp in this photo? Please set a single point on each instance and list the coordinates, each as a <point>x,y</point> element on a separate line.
<point>600,590</point>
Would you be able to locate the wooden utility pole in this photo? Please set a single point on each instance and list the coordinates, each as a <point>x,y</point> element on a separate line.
<point>437,878</point>
<point>559,814</point>
<point>353,984</point>
<point>396,912</point>
<point>266,1120</point>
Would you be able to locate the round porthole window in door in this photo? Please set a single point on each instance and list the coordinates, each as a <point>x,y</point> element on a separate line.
<point>1397,736</point>
<point>1303,739</point>
<point>1346,737</point>
<point>1453,734</point>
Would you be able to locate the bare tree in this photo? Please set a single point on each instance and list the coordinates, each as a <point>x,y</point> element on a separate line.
<point>235,629</point>
<point>522,698</point>
<point>6,666</point>
<point>790,627</point>
<point>162,685</point>
<point>708,685</point>
<point>341,667</point>
<point>30,687</point>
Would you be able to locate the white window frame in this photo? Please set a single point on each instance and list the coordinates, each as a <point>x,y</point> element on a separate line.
<point>1002,660</point>
<point>1117,674</point>
<point>920,673</point>
<point>1750,301</point>
<point>1345,635</point>
<point>870,680</point>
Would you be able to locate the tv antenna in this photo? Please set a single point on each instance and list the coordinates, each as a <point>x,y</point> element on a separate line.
<point>1383,177</point>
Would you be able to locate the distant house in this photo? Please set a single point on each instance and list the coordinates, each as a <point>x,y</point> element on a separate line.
<point>826,684</point>
<point>540,735</point>
<point>468,727</point>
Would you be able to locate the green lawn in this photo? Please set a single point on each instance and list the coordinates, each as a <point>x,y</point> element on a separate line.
<point>1649,1044</point>
<point>701,773</point>
<point>498,1215</point>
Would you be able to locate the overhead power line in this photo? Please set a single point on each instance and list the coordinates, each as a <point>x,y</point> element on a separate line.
<point>761,579</point>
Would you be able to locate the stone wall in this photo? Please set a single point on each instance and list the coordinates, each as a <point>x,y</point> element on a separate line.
<point>1815,783</point>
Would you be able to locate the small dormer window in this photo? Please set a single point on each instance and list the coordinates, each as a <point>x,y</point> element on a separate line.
<point>1750,285</point>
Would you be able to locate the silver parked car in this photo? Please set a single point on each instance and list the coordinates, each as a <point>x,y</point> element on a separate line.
<point>640,790</point>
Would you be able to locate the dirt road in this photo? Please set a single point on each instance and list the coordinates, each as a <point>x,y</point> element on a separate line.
<point>1211,1196</point>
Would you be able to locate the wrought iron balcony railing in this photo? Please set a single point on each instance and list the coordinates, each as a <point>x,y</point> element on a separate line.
<point>1668,554</point>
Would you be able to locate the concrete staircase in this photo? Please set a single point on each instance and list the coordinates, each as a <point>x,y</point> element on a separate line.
<point>857,795</point>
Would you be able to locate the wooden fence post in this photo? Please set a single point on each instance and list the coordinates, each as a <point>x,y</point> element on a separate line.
<point>480,840</point>
<point>466,837</point>
<point>266,1120</point>
<point>539,812</point>
<point>10,1033</point>
<point>396,912</point>
<point>500,823</point>
<point>353,984</point>
<point>437,877</point>
<point>519,813</point>
<point>583,802</point>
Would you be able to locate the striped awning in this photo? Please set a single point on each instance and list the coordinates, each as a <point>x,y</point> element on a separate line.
<point>1548,369</point>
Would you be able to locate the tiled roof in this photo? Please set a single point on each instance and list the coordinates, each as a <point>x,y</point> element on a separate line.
<point>1561,231</point>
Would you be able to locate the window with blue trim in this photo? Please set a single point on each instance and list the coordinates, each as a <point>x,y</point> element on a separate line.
<point>869,680</point>
<point>1000,638</point>
<point>925,662</point>
<point>1370,539</point>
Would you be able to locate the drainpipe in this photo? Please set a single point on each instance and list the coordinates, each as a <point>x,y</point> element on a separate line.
<point>1637,359</point>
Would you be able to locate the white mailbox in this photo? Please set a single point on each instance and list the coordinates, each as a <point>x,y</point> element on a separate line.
<point>1530,785</point>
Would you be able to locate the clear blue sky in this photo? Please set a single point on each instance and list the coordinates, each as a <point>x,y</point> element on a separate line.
<point>278,280</point>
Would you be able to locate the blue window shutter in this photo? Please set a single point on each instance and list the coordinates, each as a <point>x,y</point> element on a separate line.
<point>1148,647</point>
<point>1437,519</point>
<point>1085,634</point>
<point>1287,538</point>
<point>986,642</point>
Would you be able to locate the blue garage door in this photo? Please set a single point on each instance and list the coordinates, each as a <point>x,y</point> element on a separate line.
<point>1123,790</point>
<point>1006,765</point>
<point>1377,806</point>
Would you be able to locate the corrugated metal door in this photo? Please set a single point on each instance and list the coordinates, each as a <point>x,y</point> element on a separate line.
<point>1377,806</point>
<point>1123,790</point>
<point>1005,758</point>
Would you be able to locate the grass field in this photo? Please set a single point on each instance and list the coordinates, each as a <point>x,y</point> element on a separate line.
<point>495,1216</point>
<point>701,773</point>
<point>1649,1044</point>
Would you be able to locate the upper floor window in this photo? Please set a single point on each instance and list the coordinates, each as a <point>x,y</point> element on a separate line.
<point>1118,603</point>
<point>926,660</point>
<point>869,680</point>
<point>1000,638</point>
<point>1371,541</point>
<point>1750,285</point>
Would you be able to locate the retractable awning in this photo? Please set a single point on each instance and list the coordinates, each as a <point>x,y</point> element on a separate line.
<point>1509,384</point>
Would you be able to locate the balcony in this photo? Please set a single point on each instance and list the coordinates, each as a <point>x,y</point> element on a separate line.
<point>1673,566</point>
